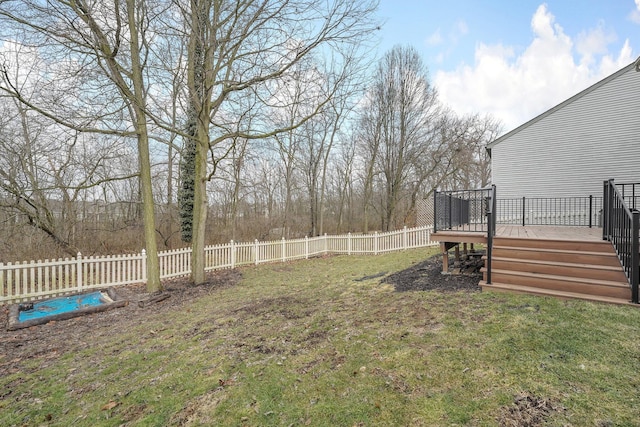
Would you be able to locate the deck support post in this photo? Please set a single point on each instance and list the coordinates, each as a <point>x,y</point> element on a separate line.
<point>445,257</point>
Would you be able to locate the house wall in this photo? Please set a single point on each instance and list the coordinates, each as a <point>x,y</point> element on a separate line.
<point>577,145</point>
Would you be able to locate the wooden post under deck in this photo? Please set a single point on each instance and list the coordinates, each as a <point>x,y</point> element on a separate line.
<point>450,240</point>
<point>445,257</point>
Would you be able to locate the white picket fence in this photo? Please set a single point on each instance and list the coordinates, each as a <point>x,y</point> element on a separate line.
<point>29,280</point>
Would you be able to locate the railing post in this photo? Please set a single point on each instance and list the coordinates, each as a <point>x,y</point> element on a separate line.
<point>605,211</point>
<point>494,207</point>
<point>607,206</point>
<point>524,210</point>
<point>590,210</point>
<point>490,205</point>
<point>635,256</point>
<point>435,211</point>
<point>450,200</point>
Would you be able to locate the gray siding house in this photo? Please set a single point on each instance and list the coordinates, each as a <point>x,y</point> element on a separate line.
<point>572,148</point>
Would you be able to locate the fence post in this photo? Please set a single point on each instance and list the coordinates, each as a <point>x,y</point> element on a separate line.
<point>404,238</point>
<point>256,248</point>
<point>284,250</point>
<point>375,243</point>
<point>349,243</point>
<point>143,254</point>
<point>233,254</point>
<point>326,244</point>
<point>306,246</point>
<point>79,271</point>
<point>635,256</point>
<point>2,284</point>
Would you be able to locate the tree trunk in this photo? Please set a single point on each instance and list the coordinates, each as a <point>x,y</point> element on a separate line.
<point>139,105</point>
<point>199,206</point>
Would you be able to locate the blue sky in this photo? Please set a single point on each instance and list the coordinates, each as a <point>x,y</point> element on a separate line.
<point>514,59</point>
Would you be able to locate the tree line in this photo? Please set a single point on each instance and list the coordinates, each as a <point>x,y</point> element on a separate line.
<point>163,123</point>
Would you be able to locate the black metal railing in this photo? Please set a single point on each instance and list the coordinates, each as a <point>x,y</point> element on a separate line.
<point>465,210</point>
<point>559,211</point>
<point>630,193</point>
<point>460,210</point>
<point>620,226</point>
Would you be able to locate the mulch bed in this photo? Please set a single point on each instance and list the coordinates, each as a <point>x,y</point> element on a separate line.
<point>428,276</point>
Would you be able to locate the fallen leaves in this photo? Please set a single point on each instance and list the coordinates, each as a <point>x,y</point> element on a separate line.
<point>110,405</point>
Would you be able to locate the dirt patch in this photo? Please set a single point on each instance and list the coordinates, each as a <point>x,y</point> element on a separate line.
<point>50,341</point>
<point>427,275</point>
<point>527,411</point>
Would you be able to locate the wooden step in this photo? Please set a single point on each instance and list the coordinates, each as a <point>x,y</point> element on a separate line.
<point>606,288</point>
<point>502,287</point>
<point>586,271</point>
<point>569,245</point>
<point>608,258</point>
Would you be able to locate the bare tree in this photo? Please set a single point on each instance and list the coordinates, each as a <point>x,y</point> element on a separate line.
<point>249,45</point>
<point>402,116</point>
<point>99,50</point>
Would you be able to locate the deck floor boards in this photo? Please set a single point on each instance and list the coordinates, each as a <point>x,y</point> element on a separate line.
<point>549,232</point>
<point>527,232</point>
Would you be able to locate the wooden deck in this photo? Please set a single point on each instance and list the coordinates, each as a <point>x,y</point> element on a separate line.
<point>549,232</point>
<point>566,262</point>
<point>517,231</point>
<point>452,238</point>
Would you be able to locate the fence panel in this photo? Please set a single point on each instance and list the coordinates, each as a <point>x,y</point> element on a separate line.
<point>244,254</point>
<point>22,281</point>
<point>295,249</point>
<point>175,263</point>
<point>317,245</point>
<point>219,257</point>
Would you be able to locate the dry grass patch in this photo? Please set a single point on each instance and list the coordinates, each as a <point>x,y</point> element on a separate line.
<point>324,342</point>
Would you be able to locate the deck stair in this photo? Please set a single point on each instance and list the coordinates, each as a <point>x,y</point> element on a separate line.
<point>587,270</point>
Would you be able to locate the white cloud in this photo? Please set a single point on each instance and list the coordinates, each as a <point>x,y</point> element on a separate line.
<point>594,41</point>
<point>635,14</point>
<point>435,38</point>
<point>515,87</point>
<point>460,29</point>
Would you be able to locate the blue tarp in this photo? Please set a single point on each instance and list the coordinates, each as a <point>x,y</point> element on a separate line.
<point>61,305</point>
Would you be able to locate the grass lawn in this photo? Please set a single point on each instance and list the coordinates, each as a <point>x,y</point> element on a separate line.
<point>305,343</point>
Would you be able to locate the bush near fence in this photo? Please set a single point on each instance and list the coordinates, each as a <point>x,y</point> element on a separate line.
<point>23,281</point>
